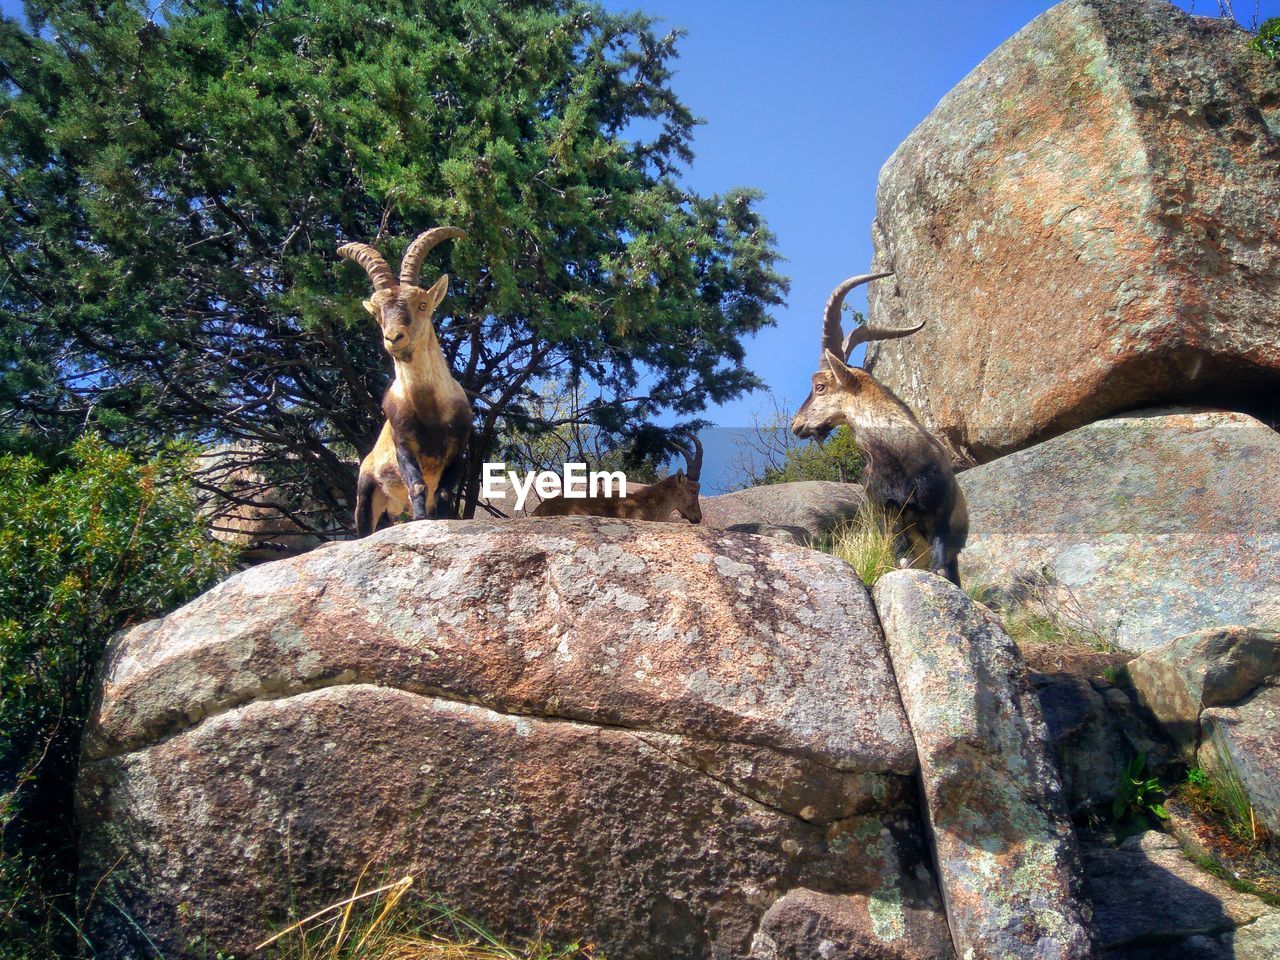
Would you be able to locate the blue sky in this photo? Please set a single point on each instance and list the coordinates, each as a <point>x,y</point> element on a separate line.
<point>806,100</point>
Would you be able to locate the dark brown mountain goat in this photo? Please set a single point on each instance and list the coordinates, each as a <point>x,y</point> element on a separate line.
<point>907,472</point>
<point>677,493</point>
<point>413,465</point>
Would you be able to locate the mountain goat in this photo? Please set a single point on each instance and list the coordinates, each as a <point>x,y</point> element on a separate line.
<point>677,493</point>
<point>908,472</point>
<point>414,464</point>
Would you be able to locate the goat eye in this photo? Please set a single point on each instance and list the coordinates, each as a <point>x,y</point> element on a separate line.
<point>820,388</point>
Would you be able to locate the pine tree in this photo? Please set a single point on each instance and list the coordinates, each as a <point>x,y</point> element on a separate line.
<point>177,179</point>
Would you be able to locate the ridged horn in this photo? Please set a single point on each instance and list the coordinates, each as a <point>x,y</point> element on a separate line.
<point>692,458</point>
<point>411,265</point>
<point>372,261</point>
<point>832,332</point>
<point>867,334</point>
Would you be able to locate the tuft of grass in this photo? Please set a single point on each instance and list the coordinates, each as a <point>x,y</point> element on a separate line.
<point>866,543</point>
<point>391,922</point>
<point>1212,866</point>
<point>1038,611</point>
<point>1217,794</point>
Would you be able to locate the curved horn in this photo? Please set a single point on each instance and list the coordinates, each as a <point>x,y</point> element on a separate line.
<point>372,261</point>
<point>411,265</point>
<point>832,333</point>
<point>693,468</point>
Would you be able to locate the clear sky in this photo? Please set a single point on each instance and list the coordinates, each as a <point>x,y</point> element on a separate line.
<point>806,100</point>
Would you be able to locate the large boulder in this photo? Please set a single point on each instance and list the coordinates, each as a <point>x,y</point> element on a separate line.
<point>1147,526</point>
<point>1006,854</point>
<point>1087,223</point>
<point>640,734</point>
<point>811,508</point>
<point>1209,668</point>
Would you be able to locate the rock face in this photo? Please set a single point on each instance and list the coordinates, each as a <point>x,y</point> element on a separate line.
<point>1095,731</point>
<point>642,734</point>
<point>1007,862</point>
<point>1087,224</point>
<point>1210,668</point>
<point>1151,526</point>
<point>1152,903</point>
<point>814,507</point>
<point>1244,740</point>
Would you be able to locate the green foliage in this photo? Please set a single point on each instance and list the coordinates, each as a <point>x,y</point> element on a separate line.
<point>838,459</point>
<point>1138,797</point>
<point>1218,795</point>
<point>1267,40</point>
<point>179,175</point>
<point>101,543</point>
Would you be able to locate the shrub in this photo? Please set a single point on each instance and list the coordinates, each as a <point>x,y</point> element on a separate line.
<point>1267,40</point>
<point>838,459</point>
<point>100,543</point>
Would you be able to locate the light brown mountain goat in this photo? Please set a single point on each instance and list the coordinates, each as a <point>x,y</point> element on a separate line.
<point>677,493</point>
<point>413,465</point>
<point>907,472</point>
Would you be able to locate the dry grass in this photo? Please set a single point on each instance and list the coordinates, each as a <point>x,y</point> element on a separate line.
<point>866,543</point>
<point>388,922</point>
<point>1041,612</point>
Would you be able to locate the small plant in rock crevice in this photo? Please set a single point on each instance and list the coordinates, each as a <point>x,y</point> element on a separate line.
<point>1139,802</point>
<point>1217,794</point>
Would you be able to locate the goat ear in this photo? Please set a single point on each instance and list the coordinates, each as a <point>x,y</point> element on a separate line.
<point>845,377</point>
<point>437,292</point>
<point>368,305</point>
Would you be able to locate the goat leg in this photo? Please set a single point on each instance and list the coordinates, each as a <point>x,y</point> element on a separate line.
<point>411,473</point>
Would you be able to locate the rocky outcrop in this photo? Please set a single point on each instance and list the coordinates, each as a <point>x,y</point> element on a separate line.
<point>1150,526</point>
<point>1086,224</point>
<point>1243,741</point>
<point>1095,731</point>
<point>261,518</point>
<point>641,734</point>
<point>1217,694</point>
<point>1210,668</point>
<point>812,508</point>
<point>1006,856</point>
<point>1152,903</point>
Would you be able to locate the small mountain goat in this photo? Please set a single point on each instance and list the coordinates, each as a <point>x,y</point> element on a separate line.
<point>677,493</point>
<point>413,465</point>
<point>907,472</point>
